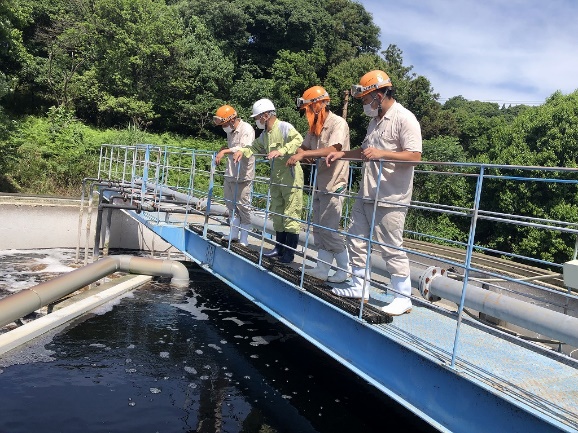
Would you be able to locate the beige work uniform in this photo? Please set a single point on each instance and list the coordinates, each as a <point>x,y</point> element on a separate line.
<point>391,184</point>
<point>327,205</point>
<point>238,177</point>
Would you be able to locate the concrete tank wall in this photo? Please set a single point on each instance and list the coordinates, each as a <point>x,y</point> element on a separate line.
<point>28,222</point>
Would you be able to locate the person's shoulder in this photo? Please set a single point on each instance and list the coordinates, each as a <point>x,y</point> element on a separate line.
<point>334,118</point>
<point>285,125</point>
<point>402,110</point>
<point>243,125</point>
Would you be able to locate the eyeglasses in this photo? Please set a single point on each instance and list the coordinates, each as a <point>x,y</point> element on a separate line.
<point>357,90</point>
<point>300,102</point>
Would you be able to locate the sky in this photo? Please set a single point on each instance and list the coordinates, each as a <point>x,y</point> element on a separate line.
<point>505,51</point>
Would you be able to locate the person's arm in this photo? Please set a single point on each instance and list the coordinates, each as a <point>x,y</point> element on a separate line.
<point>349,154</point>
<point>247,151</point>
<point>224,151</point>
<point>404,155</point>
<point>294,141</point>
<point>313,153</point>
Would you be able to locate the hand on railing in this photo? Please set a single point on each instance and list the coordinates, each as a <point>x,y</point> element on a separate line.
<point>274,154</point>
<point>334,156</point>
<point>294,160</point>
<point>372,153</point>
<point>219,156</point>
<point>237,156</point>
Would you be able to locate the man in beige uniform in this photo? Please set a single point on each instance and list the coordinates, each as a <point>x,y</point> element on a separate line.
<point>393,134</point>
<point>238,177</point>
<point>327,133</point>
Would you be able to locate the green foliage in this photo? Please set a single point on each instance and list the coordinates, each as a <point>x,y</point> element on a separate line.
<point>53,155</point>
<point>149,71</point>
<point>4,89</point>
<point>6,151</point>
<point>351,33</point>
<point>340,78</point>
<point>438,186</point>
<point>418,97</point>
<point>478,123</point>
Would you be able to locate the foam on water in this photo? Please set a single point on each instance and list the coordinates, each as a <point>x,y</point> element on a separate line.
<point>22,269</point>
<point>191,307</point>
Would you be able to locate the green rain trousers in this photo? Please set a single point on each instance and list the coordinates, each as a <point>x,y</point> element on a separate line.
<point>286,196</point>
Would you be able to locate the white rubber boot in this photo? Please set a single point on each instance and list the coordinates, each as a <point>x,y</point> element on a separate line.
<point>321,271</point>
<point>356,289</point>
<point>402,291</point>
<point>342,273</point>
<point>244,237</point>
<point>235,229</point>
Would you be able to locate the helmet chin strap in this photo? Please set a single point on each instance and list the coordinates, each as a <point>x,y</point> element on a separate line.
<point>379,107</point>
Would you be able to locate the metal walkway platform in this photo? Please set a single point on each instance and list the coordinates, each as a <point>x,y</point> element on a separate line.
<point>497,383</point>
<point>454,371</point>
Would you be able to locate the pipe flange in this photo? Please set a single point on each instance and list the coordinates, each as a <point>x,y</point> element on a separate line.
<point>426,279</point>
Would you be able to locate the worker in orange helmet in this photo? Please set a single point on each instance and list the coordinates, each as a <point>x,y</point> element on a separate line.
<point>238,179</point>
<point>327,133</point>
<point>393,134</point>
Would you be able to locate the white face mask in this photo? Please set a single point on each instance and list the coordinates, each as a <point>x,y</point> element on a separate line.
<point>260,123</point>
<point>227,129</point>
<point>371,112</point>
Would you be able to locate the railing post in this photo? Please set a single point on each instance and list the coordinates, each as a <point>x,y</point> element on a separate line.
<point>210,194</point>
<point>367,275</point>
<point>266,212</point>
<point>308,230</point>
<point>468,259</point>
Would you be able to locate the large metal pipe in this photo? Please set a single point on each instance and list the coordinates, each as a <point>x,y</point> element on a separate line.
<point>20,304</point>
<point>528,316</point>
<point>216,209</point>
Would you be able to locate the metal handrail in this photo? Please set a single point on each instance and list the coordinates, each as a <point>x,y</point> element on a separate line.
<point>474,214</point>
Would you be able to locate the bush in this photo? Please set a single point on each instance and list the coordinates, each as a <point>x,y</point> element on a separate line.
<point>52,155</point>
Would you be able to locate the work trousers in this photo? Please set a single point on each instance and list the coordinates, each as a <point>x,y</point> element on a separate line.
<point>387,229</point>
<point>327,212</point>
<point>238,197</point>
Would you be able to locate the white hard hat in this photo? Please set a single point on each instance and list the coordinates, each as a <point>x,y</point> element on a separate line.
<point>262,106</point>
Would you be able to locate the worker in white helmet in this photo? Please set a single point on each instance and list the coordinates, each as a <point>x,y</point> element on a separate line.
<point>327,133</point>
<point>393,134</point>
<point>238,179</point>
<point>279,140</point>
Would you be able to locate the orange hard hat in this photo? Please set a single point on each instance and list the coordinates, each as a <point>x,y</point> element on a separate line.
<point>311,95</point>
<point>369,82</point>
<point>224,114</point>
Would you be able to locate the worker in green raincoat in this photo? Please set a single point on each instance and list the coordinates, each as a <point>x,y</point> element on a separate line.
<point>279,141</point>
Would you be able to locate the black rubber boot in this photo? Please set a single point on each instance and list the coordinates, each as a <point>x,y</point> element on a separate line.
<point>292,240</point>
<point>279,246</point>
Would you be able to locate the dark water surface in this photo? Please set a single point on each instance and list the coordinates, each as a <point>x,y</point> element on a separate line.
<point>201,359</point>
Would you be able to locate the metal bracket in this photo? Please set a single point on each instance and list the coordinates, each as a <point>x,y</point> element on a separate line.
<point>425,282</point>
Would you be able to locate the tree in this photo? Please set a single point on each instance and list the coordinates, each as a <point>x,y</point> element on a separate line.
<point>351,32</point>
<point>420,99</point>
<point>251,32</point>
<point>475,122</point>
<point>340,78</point>
<point>545,136</point>
<point>440,186</point>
